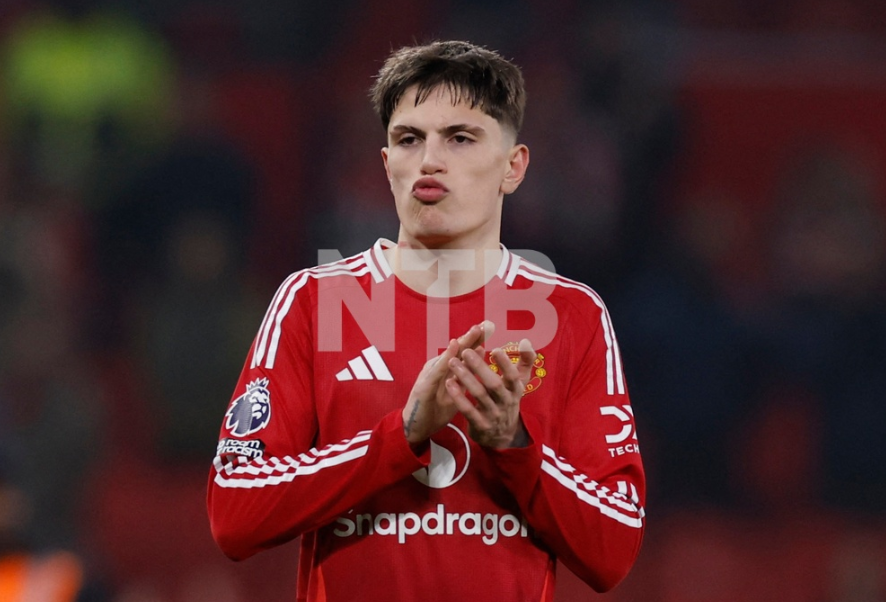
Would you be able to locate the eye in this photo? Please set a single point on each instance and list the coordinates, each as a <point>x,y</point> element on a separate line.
<point>462,139</point>
<point>407,140</point>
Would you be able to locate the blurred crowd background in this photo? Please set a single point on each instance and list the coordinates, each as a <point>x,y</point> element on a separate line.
<point>715,169</point>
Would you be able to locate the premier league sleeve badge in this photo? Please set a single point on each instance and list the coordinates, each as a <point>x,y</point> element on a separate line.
<point>250,412</point>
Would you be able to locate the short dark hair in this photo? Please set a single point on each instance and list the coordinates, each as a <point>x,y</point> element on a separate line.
<point>470,73</point>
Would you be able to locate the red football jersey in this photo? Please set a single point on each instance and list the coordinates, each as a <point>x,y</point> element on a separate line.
<point>312,444</point>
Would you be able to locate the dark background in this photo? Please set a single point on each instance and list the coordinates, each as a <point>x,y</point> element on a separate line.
<point>714,169</point>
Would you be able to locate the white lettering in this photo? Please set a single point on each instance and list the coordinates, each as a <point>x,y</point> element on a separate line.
<point>349,527</point>
<point>490,527</point>
<point>474,517</point>
<point>391,529</point>
<point>364,518</point>
<point>438,517</point>
<point>403,530</point>
<point>450,519</point>
<point>509,531</point>
<point>630,448</point>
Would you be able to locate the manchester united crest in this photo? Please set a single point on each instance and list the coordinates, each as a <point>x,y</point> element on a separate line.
<point>538,370</point>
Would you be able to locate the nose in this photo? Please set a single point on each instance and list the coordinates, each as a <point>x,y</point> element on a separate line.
<point>432,157</point>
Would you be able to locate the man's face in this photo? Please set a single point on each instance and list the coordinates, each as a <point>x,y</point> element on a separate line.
<point>449,168</point>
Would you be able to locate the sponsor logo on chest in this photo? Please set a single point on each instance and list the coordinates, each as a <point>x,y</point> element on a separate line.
<point>490,527</point>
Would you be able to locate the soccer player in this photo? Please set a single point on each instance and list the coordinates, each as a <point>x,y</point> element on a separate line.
<point>438,418</point>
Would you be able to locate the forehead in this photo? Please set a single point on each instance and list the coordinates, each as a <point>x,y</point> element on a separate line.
<point>440,108</point>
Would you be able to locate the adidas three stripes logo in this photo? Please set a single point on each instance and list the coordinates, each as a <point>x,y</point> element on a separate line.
<point>373,368</point>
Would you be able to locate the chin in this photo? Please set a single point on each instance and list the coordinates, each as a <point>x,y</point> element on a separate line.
<point>433,241</point>
<point>430,232</point>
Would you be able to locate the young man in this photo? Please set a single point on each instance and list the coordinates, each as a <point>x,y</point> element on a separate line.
<point>460,477</point>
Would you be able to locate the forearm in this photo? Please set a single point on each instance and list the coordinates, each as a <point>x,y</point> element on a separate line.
<point>593,523</point>
<point>256,504</point>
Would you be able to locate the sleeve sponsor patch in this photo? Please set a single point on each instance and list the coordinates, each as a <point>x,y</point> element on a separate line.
<point>252,449</point>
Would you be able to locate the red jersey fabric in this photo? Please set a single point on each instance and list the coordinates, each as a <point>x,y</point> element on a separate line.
<point>312,444</point>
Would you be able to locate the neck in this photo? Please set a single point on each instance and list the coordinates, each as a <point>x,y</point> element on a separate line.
<point>444,272</point>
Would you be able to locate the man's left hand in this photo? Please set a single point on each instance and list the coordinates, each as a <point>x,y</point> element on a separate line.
<point>495,418</point>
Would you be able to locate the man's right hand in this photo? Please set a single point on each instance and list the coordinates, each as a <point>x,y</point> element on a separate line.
<point>430,407</point>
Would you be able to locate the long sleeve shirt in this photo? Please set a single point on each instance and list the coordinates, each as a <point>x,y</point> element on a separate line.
<point>312,443</point>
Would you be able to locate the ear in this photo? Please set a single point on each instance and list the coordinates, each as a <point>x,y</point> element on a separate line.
<point>384,158</point>
<point>518,162</point>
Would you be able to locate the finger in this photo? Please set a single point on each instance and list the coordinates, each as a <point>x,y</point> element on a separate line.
<point>470,383</point>
<point>494,389</point>
<point>508,373</point>
<point>439,366</point>
<point>526,360</point>
<point>474,416</point>
<point>451,379</point>
<point>488,329</point>
<point>476,336</point>
<point>471,338</point>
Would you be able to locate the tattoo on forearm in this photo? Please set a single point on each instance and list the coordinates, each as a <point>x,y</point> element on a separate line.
<point>407,426</point>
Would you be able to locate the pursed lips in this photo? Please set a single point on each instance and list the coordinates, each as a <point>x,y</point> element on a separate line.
<point>429,190</point>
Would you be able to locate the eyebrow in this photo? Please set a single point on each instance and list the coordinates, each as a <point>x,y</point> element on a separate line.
<point>447,131</point>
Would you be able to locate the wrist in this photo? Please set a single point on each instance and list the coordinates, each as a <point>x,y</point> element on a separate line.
<point>409,425</point>
<point>420,448</point>
<point>521,437</point>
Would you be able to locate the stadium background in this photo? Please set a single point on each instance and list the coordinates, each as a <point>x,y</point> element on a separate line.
<point>714,169</point>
